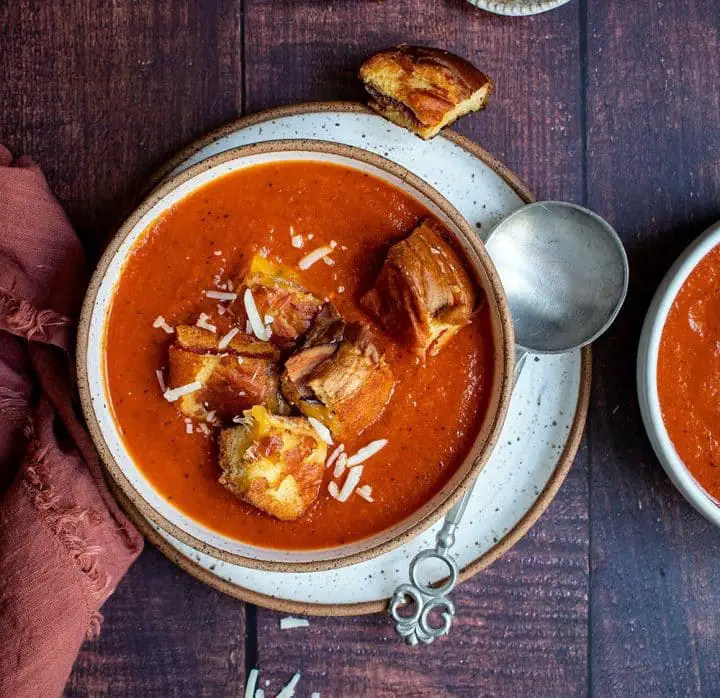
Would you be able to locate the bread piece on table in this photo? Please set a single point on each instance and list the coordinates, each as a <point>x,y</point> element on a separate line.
<point>423,293</point>
<point>243,374</point>
<point>345,385</point>
<point>279,294</point>
<point>274,463</point>
<point>424,89</point>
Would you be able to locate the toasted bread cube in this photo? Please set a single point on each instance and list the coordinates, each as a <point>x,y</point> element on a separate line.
<point>228,387</point>
<point>274,463</point>
<point>346,386</point>
<point>200,340</point>
<point>423,293</point>
<point>424,89</point>
<point>278,293</point>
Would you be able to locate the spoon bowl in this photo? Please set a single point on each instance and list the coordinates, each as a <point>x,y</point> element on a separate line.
<point>565,274</point>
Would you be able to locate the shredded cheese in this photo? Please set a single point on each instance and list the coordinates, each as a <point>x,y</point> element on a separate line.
<point>227,338</point>
<point>315,256</point>
<point>221,309</point>
<point>289,690</point>
<point>259,693</point>
<point>254,320</point>
<point>269,319</point>
<point>173,394</point>
<point>333,489</point>
<point>237,419</point>
<point>288,623</point>
<point>322,431</point>
<point>221,295</point>
<point>340,289</point>
<point>202,322</point>
<point>365,492</point>
<point>367,452</point>
<point>297,241</point>
<point>210,416</point>
<point>251,684</point>
<point>351,482</point>
<point>217,253</point>
<point>334,455</point>
<point>340,465</point>
<point>329,261</point>
<point>314,694</point>
<point>240,360</point>
<point>203,428</point>
<point>161,380</point>
<point>159,321</point>
<point>188,425</point>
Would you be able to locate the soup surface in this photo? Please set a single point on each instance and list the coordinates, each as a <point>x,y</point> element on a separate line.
<point>436,408</point>
<point>689,373</point>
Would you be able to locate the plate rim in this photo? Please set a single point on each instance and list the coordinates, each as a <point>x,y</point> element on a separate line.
<point>538,507</point>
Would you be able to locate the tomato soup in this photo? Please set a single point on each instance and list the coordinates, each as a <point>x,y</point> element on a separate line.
<point>436,409</point>
<point>689,373</point>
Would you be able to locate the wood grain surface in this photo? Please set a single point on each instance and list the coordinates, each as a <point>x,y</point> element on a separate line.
<point>616,590</point>
<point>653,118</point>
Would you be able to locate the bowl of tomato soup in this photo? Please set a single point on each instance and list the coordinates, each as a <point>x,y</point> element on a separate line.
<point>679,374</point>
<point>329,214</point>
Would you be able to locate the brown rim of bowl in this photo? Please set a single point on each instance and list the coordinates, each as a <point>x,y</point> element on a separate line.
<point>427,514</point>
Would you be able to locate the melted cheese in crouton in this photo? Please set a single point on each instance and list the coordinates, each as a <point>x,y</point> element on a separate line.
<point>274,463</point>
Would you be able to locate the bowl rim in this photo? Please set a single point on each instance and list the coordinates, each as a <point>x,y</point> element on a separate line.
<point>647,361</point>
<point>426,514</point>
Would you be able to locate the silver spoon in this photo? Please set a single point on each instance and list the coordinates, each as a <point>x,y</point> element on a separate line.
<point>565,274</point>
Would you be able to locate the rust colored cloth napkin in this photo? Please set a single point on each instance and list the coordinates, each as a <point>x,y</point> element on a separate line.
<point>64,543</point>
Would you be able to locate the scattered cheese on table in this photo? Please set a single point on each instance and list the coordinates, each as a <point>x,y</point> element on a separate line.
<point>289,690</point>
<point>251,684</point>
<point>288,623</point>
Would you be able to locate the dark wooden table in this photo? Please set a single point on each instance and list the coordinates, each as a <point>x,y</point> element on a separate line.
<point>608,103</point>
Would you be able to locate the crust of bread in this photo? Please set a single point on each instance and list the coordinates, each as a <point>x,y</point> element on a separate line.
<point>274,463</point>
<point>423,294</point>
<point>424,89</point>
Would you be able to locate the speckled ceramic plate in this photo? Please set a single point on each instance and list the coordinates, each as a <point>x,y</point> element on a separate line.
<point>517,7</point>
<point>547,413</point>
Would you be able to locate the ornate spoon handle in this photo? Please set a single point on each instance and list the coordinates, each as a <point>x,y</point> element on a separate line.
<point>424,599</point>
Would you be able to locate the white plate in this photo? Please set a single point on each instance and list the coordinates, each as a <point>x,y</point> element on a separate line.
<point>547,413</point>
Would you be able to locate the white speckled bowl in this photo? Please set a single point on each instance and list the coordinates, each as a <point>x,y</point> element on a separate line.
<point>647,363</point>
<point>128,476</point>
<point>517,7</point>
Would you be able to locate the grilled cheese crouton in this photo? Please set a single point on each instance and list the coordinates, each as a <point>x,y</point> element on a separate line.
<point>243,374</point>
<point>423,293</point>
<point>273,463</point>
<point>278,293</point>
<point>424,89</point>
<point>345,384</point>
